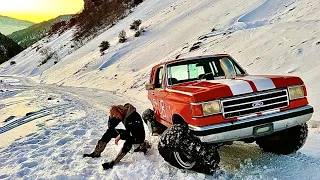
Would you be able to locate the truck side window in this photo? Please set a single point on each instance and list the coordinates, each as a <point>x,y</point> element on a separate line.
<point>159,78</point>
<point>237,70</point>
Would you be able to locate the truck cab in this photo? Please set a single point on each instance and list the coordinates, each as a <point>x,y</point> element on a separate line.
<point>220,101</point>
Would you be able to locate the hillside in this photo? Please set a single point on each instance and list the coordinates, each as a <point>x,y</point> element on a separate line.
<point>8,48</point>
<point>269,37</point>
<point>99,14</point>
<point>9,25</point>
<point>256,34</point>
<point>34,33</point>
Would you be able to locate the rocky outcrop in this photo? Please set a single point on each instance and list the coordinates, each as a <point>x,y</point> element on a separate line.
<point>88,4</point>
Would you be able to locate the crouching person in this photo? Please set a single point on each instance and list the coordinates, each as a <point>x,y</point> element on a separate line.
<point>133,134</point>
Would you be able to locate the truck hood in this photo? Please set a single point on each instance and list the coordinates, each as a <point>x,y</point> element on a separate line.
<point>214,89</point>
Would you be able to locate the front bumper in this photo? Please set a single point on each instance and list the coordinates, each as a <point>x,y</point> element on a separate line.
<point>244,129</point>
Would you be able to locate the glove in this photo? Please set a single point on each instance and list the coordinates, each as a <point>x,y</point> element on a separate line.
<point>108,165</point>
<point>91,155</point>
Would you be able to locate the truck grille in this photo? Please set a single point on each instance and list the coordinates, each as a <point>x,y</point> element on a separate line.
<point>254,103</point>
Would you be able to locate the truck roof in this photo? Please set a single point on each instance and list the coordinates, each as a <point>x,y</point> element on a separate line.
<point>192,58</point>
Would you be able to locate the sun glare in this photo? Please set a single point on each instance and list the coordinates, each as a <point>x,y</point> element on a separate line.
<point>14,6</point>
<point>39,10</point>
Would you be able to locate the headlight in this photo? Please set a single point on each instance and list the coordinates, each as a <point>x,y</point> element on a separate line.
<point>296,92</point>
<point>210,108</point>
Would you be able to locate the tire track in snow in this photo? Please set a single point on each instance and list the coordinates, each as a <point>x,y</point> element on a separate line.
<point>60,146</point>
<point>34,116</point>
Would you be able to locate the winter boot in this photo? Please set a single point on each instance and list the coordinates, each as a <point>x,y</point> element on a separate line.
<point>98,150</point>
<point>143,147</point>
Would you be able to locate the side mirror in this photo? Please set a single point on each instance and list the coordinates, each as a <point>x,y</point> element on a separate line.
<point>150,87</point>
<point>228,68</point>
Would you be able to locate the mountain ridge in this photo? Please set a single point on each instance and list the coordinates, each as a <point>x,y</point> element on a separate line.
<point>9,25</point>
<point>27,37</point>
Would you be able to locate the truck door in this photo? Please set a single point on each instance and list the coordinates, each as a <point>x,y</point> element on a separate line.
<point>158,95</point>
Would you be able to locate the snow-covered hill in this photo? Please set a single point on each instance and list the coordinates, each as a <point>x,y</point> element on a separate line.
<point>266,36</point>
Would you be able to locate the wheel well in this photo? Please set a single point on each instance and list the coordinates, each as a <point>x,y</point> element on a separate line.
<point>177,119</point>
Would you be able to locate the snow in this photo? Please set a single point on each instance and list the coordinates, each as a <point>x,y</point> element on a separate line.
<point>263,14</point>
<point>277,37</point>
<point>53,148</point>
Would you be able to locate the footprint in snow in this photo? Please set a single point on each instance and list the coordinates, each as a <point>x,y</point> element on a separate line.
<point>23,172</point>
<point>4,176</point>
<point>44,142</point>
<point>50,153</point>
<point>43,149</point>
<point>33,146</point>
<point>36,155</point>
<point>79,132</point>
<point>63,141</point>
<point>34,141</point>
<point>47,132</point>
<point>21,160</point>
<point>29,164</point>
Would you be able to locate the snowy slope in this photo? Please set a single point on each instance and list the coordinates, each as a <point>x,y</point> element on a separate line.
<point>265,36</point>
<point>71,122</point>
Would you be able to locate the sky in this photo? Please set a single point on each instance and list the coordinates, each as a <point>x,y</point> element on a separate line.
<point>39,10</point>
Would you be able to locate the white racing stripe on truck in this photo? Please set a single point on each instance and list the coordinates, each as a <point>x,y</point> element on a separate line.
<point>262,83</point>
<point>237,87</point>
<point>177,91</point>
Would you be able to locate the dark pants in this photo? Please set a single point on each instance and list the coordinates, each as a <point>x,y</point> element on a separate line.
<point>113,133</point>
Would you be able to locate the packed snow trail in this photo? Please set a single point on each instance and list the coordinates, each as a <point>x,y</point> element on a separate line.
<point>55,150</point>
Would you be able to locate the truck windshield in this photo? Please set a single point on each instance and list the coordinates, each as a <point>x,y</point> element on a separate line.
<point>199,69</point>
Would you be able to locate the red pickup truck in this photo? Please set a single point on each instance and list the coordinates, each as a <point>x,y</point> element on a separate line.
<point>204,102</point>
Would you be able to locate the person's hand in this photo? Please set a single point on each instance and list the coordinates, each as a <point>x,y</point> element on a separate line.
<point>91,155</point>
<point>116,141</point>
<point>108,165</point>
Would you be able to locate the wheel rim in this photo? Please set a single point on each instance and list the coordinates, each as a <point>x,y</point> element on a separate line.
<point>183,161</point>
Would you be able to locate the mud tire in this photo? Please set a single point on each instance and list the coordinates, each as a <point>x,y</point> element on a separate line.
<point>284,142</point>
<point>192,154</point>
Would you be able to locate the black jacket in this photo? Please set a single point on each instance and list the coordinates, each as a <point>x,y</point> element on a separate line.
<point>133,124</point>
